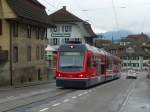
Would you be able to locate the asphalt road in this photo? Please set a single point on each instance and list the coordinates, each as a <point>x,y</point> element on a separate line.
<point>123,95</point>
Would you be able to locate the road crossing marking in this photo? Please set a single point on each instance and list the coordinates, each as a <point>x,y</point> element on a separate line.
<point>56,104</point>
<point>85,92</point>
<point>44,109</point>
<point>80,94</point>
<point>74,97</point>
<point>66,100</point>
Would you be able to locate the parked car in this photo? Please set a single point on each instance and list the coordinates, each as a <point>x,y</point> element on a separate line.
<point>131,74</point>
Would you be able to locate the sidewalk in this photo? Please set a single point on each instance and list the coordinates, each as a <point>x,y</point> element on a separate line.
<point>27,84</point>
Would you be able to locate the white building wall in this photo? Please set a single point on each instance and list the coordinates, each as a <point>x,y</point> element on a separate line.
<point>140,61</point>
<point>76,32</point>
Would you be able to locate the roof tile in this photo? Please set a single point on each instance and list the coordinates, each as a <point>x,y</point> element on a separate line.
<point>29,9</point>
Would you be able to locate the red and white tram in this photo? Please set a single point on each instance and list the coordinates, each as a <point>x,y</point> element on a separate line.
<point>82,65</point>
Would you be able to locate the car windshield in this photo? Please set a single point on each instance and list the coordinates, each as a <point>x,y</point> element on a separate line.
<point>71,61</point>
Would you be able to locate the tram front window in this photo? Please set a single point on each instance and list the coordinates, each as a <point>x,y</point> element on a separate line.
<point>71,61</point>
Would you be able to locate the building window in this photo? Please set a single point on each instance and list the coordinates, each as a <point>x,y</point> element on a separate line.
<point>125,64</point>
<point>29,53</point>
<point>137,58</point>
<point>66,28</point>
<point>129,64</point>
<point>45,33</point>
<point>15,54</point>
<point>0,27</point>
<point>77,40</point>
<point>66,40</point>
<point>39,74</point>
<point>37,33</point>
<point>42,33</point>
<point>29,31</point>
<point>42,52</point>
<point>55,29</point>
<point>55,41</point>
<point>37,53</point>
<point>15,29</point>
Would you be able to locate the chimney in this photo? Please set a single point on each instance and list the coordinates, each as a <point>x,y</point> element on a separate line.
<point>64,7</point>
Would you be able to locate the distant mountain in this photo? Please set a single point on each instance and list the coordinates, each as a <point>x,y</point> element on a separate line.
<point>116,35</point>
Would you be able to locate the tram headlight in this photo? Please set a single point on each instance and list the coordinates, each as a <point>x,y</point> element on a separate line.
<point>81,75</point>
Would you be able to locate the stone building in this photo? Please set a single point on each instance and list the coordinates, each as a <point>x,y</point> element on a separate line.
<point>134,39</point>
<point>133,53</point>
<point>101,43</point>
<point>23,38</point>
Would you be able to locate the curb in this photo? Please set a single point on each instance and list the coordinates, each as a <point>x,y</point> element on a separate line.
<point>34,83</point>
<point>26,85</point>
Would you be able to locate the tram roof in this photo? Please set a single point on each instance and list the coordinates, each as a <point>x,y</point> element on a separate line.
<point>84,47</point>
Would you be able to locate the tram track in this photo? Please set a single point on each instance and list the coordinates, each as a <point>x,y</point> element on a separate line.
<point>39,101</point>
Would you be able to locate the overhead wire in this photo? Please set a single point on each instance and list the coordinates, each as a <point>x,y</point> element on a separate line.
<point>48,3</point>
<point>116,18</point>
<point>83,11</point>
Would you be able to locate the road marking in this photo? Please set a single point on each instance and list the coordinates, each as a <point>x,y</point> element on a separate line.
<point>85,92</point>
<point>11,97</point>
<point>80,95</point>
<point>56,104</point>
<point>127,98</point>
<point>74,97</point>
<point>44,109</point>
<point>66,100</point>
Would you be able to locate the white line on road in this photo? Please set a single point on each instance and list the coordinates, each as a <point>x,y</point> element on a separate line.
<point>80,95</point>
<point>11,97</point>
<point>44,109</point>
<point>85,92</point>
<point>74,97</point>
<point>66,100</point>
<point>56,104</point>
<point>126,99</point>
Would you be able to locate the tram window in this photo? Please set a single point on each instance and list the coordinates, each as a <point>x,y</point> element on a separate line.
<point>71,61</point>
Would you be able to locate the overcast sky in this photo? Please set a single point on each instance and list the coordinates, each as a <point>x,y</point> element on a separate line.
<point>107,15</point>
